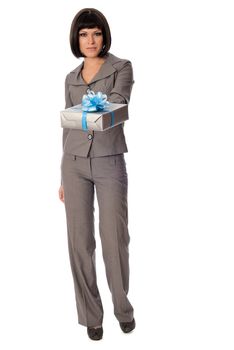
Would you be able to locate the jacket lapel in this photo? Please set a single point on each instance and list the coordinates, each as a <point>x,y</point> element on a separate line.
<point>106,69</point>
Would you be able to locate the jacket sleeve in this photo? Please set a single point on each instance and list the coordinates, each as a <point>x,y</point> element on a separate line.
<point>124,81</point>
<point>68,103</point>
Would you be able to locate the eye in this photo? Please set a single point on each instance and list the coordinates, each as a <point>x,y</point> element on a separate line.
<point>98,33</point>
<point>83,34</point>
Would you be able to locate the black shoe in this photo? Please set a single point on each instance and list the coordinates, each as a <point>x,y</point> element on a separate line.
<point>127,326</point>
<point>95,333</point>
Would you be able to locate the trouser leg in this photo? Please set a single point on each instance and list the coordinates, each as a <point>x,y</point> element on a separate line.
<point>79,206</point>
<point>111,183</point>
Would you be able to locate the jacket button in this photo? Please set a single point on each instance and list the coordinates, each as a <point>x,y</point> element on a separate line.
<point>90,136</point>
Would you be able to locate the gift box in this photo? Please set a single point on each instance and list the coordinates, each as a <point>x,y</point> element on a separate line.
<point>75,118</point>
<point>95,113</point>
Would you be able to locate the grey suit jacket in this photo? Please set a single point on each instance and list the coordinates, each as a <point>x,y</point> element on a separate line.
<point>115,79</point>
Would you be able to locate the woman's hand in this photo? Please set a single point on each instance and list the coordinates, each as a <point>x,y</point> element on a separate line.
<point>61,193</point>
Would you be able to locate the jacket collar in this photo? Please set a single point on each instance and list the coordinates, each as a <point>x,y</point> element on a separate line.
<point>106,69</point>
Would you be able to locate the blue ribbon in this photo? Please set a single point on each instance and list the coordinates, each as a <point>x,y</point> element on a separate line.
<point>92,102</point>
<point>84,121</point>
<point>112,118</point>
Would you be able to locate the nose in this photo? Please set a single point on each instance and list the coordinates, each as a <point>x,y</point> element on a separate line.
<point>91,39</point>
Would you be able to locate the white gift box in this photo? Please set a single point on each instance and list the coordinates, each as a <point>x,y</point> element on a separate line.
<point>75,118</point>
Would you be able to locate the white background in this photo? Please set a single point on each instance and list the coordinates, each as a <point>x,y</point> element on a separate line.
<point>180,168</point>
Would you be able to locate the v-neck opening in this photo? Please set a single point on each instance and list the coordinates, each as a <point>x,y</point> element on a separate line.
<point>94,77</point>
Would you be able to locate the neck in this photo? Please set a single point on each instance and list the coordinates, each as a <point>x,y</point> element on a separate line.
<point>93,61</point>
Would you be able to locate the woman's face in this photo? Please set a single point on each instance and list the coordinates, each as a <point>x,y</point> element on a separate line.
<point>90,41</point>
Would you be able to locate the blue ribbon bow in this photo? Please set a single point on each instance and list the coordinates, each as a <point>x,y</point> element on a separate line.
<point>92,102</point>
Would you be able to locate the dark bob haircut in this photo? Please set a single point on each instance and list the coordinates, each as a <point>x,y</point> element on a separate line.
<point>89,18</point>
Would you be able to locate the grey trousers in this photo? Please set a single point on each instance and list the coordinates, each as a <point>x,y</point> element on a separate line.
<point>108,175</point>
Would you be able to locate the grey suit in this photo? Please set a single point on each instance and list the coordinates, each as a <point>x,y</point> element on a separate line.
<point>115,78</point>
<point>95,160</point>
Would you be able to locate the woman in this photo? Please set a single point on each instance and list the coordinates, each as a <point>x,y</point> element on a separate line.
<point>95,159</point>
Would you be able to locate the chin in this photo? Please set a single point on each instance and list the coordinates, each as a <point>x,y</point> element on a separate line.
<point>92,54</point>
